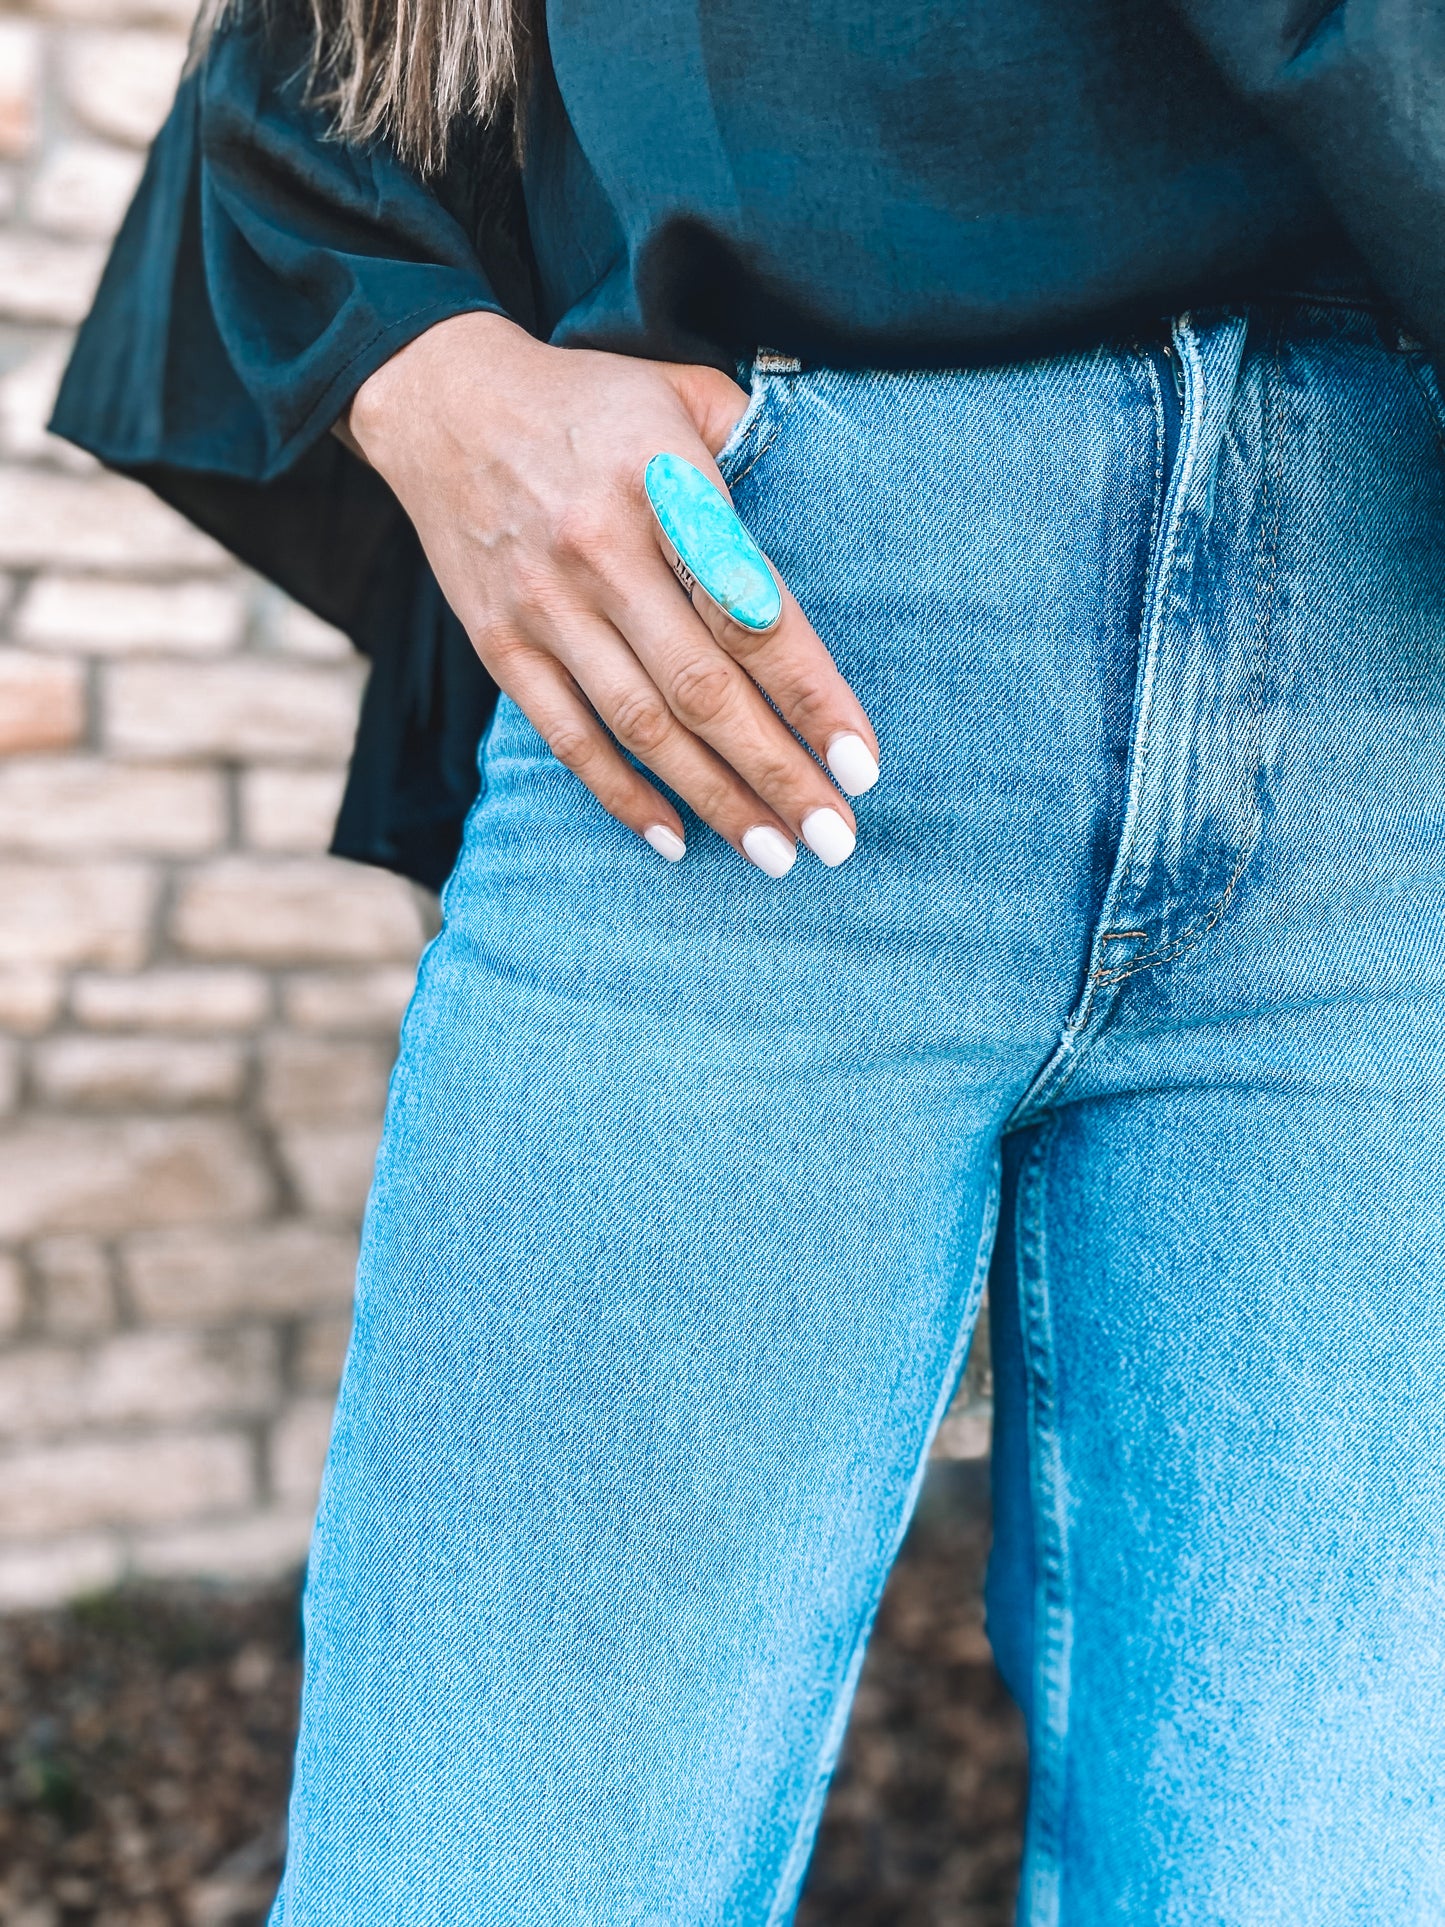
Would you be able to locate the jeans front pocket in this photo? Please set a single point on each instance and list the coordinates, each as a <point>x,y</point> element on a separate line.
<point>1427,380</point>
<point>756,428</point>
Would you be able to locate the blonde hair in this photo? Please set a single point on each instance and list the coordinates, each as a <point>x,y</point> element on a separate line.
<point>407,71</point>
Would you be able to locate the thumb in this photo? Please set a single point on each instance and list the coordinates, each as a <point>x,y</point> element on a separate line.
<point>714,400</point>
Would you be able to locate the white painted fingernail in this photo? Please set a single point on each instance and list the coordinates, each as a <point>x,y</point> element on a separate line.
<point>666,842</point>
<point>770,850</point>
<point>853,763</point>
<point>828,837</point>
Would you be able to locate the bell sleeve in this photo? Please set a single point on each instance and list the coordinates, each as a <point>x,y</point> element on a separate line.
<point>264,270</point>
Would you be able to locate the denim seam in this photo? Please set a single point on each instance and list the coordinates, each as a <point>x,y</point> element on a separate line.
<point>1040,1896</point>
<point>1426,381</point>
<point>1161,442</point>
<point>1160,595</point>
<point>1069,1052</point>
<point>774,400</point>
<point>1271,481</point>
<point>790,1878</point>
<point>745,429</point>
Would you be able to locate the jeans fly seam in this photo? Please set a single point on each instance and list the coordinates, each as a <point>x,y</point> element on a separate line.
<point>1158,598</point>
<point>791,1876</point>
<point>1271,487</point>
<point>1048,1737</point>
<point>1067,1055</point>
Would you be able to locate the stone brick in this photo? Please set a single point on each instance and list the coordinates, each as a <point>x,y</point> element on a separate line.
<point>290,809</point>
<point>84,188</point>
<point>103,617</point>
<point>19,88</point>
<point>12,1294</point>
<point>154,1378</point>
<point>343,1001</point>
<point>295,910</point>
<point>80,806</point>
<point>77,1296</point>
<point>967,1428</point>
<point>174,14</point>
<point>314,1080</point>
<point>143,1073</point>
<point>75,913</point>
<point>965,1433</point>
<point>29,999</point>
<point>331,1166</point>
<point>121,84</point>
<point>94,521</point>
<point>54,1571</point>
<point>298,633</point>
<point>71,1174</point>
<point>298,1450</point>
<point>42,279</point>
<point>196,999</point>
<point>320,1353</point>
<point>87,1483</point>
<point>42,703</point>
<point>208,1277</point>
<point>240,708</point>
<point>263,1545</point>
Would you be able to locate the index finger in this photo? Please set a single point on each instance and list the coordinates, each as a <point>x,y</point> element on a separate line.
<point>792,665</point>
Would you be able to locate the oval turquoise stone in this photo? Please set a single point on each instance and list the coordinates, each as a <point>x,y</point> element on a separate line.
<point>712,542</point>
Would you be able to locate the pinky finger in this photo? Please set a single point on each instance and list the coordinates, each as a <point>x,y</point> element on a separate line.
<point>567,723</point>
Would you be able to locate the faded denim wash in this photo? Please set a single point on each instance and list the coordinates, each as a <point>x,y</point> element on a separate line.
<point>691,1180</point>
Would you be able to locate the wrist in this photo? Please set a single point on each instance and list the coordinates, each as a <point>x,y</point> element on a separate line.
<point>395,396</point>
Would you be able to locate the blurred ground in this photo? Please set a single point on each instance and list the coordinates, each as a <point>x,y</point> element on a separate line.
<point>145,1738</point>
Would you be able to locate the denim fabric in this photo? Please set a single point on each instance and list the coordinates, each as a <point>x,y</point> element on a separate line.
<point>691,1180</point>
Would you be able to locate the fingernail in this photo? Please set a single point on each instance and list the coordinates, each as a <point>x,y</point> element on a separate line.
<point>828,837</point>
<point>853,763</point>
<point>666,842</point>
<point>770,850</point>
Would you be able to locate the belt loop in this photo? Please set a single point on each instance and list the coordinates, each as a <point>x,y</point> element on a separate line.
<point>770,361</point>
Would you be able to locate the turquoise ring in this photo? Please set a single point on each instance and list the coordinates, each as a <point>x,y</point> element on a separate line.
<point>710,552</point>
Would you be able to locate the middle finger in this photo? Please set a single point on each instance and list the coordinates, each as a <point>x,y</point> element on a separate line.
<point>717,701</point>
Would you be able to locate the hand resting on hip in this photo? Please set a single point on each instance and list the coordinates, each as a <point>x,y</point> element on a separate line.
<point>521,467</point>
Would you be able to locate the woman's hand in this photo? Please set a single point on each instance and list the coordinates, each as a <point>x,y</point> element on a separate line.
<point>521,466</point>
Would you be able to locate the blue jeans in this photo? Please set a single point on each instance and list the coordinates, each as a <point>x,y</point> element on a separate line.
<point>691,1180</point>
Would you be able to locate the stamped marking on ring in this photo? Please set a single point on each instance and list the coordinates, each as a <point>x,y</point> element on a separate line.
<point>710,552</point>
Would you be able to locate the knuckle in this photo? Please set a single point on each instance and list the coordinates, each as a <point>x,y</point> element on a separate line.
<point>774,775</point>
<point>702,691</point>
<point>717,800</point>
<point>641,721</point>
<point>746,645</point>
<point>581,534</point>
<point>811,703</point>
<point>572,745</point>
<point>534,592</point>
<point>496,642</point>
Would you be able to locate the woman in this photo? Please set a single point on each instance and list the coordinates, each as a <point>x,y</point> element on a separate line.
<point>1080,421</point>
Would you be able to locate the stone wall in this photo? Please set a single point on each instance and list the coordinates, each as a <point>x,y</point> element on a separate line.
<point>197,1007</point>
